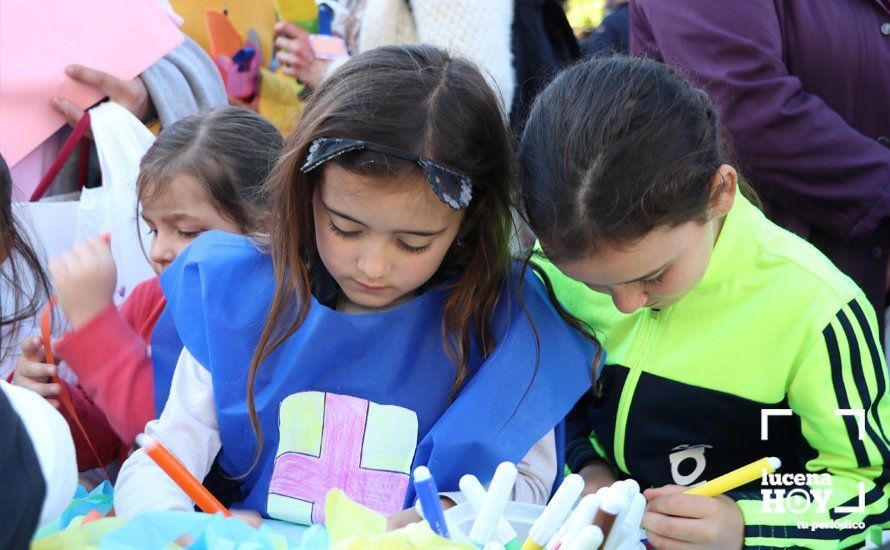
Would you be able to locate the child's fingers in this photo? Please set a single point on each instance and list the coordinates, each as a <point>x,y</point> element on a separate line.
<point>34,356</point>
<point>63,263</point>
<point>32,345</point>
<point>402,519</point>
<point>35,370</point>
<point>99,247</point>
<point>249,517</point>
<point>667,543</point>
<point>289,29</point>
<point>80,255</point>
<point>679,529</point>
<point>49,390</point>
<point>40,388</point>
<point>299,47</point>
<point>658,492</point>
<point>681,505</point>
<point>78,259</point>
<point>289,59</point>
<point>287,70</point>
<point>58,269</point>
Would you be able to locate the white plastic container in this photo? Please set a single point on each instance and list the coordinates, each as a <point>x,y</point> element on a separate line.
<point>521,516</point>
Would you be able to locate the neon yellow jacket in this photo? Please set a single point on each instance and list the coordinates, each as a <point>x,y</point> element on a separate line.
<point>773,325</point>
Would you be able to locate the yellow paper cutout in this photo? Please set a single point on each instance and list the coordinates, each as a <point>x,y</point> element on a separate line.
<point>243,14</point>
<point>354,527</point>
<point>278,102</point>
<point>345,518</point>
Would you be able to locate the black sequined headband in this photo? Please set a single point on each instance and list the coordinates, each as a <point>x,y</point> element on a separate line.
<point>452,187</point>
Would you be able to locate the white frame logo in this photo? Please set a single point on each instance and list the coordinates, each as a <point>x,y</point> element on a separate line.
<point>797,500</point>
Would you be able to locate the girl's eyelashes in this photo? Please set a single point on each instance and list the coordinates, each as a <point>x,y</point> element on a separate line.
<point>343,234</point>
<point>656,280</point>
<point>414,249</point>
<point>353,234</point>
<point>152,232</point>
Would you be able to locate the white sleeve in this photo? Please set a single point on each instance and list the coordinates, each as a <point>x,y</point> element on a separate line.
<point>188,428</point>
<point>537,472</point>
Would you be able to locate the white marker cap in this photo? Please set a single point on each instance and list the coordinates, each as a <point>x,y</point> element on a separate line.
<point>558,509</point>
<point>475,494</point>
<point>588,538</point>
<point>496,498</point>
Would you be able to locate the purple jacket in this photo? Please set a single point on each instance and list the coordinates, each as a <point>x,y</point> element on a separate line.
<point>804,88</point>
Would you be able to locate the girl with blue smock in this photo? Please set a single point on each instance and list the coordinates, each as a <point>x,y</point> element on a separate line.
<point>379,323</point>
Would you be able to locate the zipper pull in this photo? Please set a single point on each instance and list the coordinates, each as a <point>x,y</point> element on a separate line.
<point>655,313</point>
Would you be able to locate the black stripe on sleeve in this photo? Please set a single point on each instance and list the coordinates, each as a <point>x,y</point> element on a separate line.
<point>877,492</point>
<point>837,379</point>
<point>862,385</point>
<point>876,363</point>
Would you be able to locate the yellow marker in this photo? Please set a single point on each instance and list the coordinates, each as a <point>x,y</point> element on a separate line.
<point>531,545</point>
<point>736,478</point>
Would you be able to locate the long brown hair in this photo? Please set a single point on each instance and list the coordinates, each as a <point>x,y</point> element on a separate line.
<point>418,99</point>
<point>21,272</point>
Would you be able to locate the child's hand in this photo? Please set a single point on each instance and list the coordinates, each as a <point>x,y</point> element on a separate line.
<point>408,516</point>
<point>402,519</point>
<point>297,56</point>
<point>85,280</point>
<point>250,517</point>
<point>294,49</point>
<point>596,474</point>
<point>33,374</point>
<point>675,520</point>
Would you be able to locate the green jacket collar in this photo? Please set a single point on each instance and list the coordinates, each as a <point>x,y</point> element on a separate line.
<point>734,245</point>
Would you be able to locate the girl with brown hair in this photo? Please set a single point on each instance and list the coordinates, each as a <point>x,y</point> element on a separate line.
<point>204,172</point>
<point>381,324</point>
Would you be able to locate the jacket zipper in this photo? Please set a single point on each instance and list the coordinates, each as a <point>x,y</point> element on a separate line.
<point>648,335</point>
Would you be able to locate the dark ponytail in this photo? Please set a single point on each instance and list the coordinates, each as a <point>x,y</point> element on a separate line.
<point>613,148</point>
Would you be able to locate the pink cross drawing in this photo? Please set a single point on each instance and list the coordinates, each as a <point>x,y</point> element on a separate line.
<point>309,478</point>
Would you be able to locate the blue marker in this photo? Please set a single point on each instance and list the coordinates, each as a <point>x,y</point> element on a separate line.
<point>425,486</point>
<point>325,18</point>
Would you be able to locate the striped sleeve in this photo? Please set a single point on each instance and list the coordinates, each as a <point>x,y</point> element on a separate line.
<point>839,393</point>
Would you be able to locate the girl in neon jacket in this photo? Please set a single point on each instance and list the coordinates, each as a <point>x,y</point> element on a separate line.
<point>728,338</point>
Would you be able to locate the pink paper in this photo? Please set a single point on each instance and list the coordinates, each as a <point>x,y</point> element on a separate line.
<point>39,38</point>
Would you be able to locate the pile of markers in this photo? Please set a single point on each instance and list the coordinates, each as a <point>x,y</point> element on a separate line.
<point>609,519</point>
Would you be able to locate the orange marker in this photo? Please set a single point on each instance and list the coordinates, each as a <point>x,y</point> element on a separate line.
<point>177,472</point>
<point>46,321</point>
